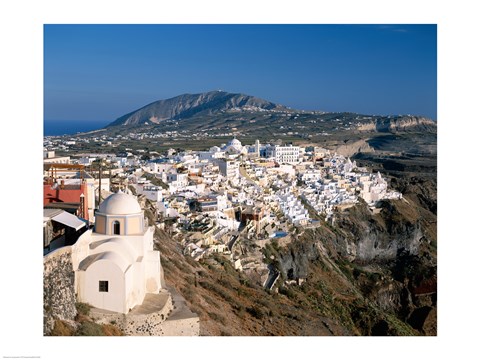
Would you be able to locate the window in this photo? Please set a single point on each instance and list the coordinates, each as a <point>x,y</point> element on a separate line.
<point>103,286</point>
<point>116,228</point>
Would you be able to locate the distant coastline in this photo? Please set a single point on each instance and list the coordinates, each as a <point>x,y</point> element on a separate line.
<point>70,127</point>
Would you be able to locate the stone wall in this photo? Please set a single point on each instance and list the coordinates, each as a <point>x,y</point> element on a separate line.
<point>58,288</point>
<point>181,327</point>
<point>147,324</point>
<point>152,322</point>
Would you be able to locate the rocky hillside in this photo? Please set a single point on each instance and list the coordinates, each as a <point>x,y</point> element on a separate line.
<point>230,303</point>
<point>388,260</point>
<point>188,105</point>
<point>371,272</point>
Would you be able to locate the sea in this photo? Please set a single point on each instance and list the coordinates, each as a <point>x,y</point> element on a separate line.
<point>70,127</point>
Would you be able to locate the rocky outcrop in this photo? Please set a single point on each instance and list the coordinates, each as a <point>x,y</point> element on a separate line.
<point>378,237</point>
<point>58,288</point>
<point>424,319</point>
<point>294,263</point>
<point>351,148</point>
<point>389,297</point>
<point>423,191</point>
<point>416,123</point>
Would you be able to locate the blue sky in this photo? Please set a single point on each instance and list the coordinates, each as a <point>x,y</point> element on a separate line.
<point>100,72</point>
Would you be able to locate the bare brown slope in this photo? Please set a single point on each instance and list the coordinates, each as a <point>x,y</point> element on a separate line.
<point>228,303</point>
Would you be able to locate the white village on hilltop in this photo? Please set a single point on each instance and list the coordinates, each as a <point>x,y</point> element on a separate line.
<point>100,245</point>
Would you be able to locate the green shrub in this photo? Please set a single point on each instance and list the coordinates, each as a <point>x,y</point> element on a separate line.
<point>190,279</point>
<point>198,309</point>
<point>188,293</point>
<point>287,292</point>
<point>90,329</point>
<point>178,264</point>
<point>166,264</point>
<point>216,289</point>
<point>111,330</point>
<point>192,262</point>
<point>226,283</point>
<point>239,309</point>
<point>83,308</point>
<point>256,312</point>
<point>61,328</point>
<point>209,300</point>
<point>217,318</point>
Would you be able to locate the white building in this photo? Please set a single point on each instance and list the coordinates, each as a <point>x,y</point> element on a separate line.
<point>320,153</point>
<point>234,147</point>
<point>115,264</point>
<point>151,192</point>
<point>214,153</point>
<point>120,161</point>
<point>50,158</point>
<point>229,168</point>
<point>155,167</point>
<point>375,189</point>
<point>86,160</point>
<point>283,154</point>
<point>257,148</point>
<point>176,181</point>
<point>293,209</point>
<point>311,175</point>
<point>180,179</point>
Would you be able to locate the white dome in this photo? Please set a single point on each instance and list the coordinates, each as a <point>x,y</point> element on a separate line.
<point>235,143</point>
<point>120,204</point>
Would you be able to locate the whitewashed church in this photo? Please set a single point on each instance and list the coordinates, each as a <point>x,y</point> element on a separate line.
<point>115,264</point>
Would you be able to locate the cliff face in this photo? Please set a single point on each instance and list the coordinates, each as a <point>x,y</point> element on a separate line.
<point>386,257</point>
<point>399,124</point>
<point>378,237</point>
<point>360,236</point>
<point>58,288</point>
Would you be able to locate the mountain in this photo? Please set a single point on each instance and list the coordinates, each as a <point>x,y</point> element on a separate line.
<point>199,121</point>
<point>189,105</point>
